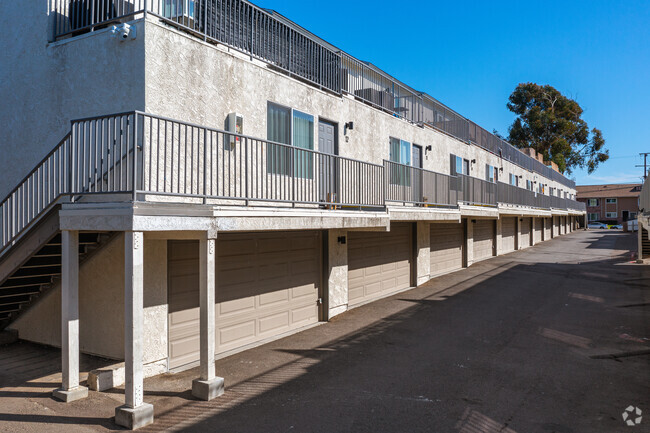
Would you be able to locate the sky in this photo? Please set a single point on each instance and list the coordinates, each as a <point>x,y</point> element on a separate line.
<point>470,55</point>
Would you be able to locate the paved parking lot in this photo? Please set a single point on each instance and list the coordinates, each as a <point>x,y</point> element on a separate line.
<point>550,339</point>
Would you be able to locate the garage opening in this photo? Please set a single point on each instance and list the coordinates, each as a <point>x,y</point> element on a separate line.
<point>268,285</point>
<point>379,263</point>
<point>446,248</point>
<point>484,231</point>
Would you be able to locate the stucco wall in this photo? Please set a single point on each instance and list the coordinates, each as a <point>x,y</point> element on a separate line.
<point>101,305</point>
<point>219,82</point>
<point>45,85</point>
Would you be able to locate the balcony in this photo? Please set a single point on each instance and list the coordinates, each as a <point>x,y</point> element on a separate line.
<point>142,157</point>
<point>284,46</point>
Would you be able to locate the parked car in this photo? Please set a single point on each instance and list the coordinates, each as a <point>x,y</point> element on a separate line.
<point>596,225</point>
<point>616,227</point>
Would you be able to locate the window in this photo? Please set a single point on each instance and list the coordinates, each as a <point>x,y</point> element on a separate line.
<point>459,165</point>
<point>593,202</point>
<point>593,217</point>
<point>610,214</point>
<point>632,215</point>
<point>611,201</point>
<point>293,128</point>
<point>491,173</point>
<point>540,188</point>
<point>530,185</point>
<point>400,153</point>
<point>178,8</point>
<point>514,179</point>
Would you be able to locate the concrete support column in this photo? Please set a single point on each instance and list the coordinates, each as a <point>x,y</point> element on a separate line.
<point>498,238</point>
<point>208,386</point>
<point>543,229</point>
<point>337,272</point>
<point>518,233</point>
<point>469,242</point>
<point>70,389</point>
<point>423,252</point>
<point>134,413</point>
<point>532,231</point>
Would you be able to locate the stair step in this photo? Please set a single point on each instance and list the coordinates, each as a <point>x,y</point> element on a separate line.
<point>39,275</point>
<point>35,272</point>
<point>21,299</point>
<point>23,283</point>
<point>9,308</point>
<point>29,290</point>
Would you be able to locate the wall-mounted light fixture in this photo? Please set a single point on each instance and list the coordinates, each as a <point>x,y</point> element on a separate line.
<point>473,161</point>
<point>428,148</point>
<point>341,240</point>
<point>473,221</point>
<point>348,126</point>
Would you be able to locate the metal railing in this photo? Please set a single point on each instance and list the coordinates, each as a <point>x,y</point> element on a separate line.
<point>474,191</point>
<point>151,157</point>
<point>275,40</point>
<point>406,184</point>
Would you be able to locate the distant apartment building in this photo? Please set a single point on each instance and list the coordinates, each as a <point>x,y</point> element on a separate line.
<point>192,178</point>
<point>613,203</point>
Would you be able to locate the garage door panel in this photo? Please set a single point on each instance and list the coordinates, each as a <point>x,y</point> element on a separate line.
<point>483,236</point>
<point>267,284</point>
<point>378,263</point>
<point>273,322</point>
<point>240,332</point>
<point>508,234</point>
<point>446,254</point>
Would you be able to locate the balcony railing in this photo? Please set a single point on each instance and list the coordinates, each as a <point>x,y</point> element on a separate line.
<point>268,37</point>
<point>153,158</point>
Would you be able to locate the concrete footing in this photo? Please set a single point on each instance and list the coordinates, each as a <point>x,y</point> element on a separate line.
<point>68,395</point>
<point>208,389</point>
<point>134,417</point>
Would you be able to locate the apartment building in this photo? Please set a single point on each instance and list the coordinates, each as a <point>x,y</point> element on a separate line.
<point>189,179</point>
<point>613,203</point>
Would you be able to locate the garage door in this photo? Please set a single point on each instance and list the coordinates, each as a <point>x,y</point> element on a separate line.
<point>379,263</point>
<point>508,234</point>
<point>538,230</point>
<point>267,285</point>
<point>525,232</point>
<point>483,239</point>
<point>547,228</point>
<point>446,248</point>
<point>556,225</point>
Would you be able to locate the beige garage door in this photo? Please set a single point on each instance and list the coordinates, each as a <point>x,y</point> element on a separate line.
<point>547,228</point>
<point>446,248</point>
<point>483,239</point>
<point>538,230</point>
<point>267,285</point>
<point>525,232</point>
<point>556,226</point>
<point>508,234</point>
<point>379,263</point>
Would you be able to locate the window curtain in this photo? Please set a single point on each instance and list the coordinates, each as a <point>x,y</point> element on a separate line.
<point>303,138</point>
<point>278,130</point>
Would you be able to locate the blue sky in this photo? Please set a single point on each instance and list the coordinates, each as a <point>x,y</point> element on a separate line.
<point>471,55</point>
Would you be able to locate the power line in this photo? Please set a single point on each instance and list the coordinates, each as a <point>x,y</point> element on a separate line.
<point>645,164</point>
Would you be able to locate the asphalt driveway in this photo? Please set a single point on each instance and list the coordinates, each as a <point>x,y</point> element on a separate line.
<point>554,338</point>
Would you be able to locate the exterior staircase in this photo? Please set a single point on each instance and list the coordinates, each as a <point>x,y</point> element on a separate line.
<point>33,266</point>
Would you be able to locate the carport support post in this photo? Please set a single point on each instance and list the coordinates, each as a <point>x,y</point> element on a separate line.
<point>544,229</point>
<point>134,413</point>
<point>469,242</point>
<point>70,389</point>
<point>498,237</point>
<point>553,234</point>
<point>518,233</point>
<point>422,252</point>
<point>208,386</point>
<point>532,231</point>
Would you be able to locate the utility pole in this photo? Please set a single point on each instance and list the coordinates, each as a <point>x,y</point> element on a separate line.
<point>645,164</point>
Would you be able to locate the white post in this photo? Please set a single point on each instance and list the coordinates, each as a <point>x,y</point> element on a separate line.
<point>70,389</point>
<point>208,386</point>
<point>135,413</point>
<point>469,242</point>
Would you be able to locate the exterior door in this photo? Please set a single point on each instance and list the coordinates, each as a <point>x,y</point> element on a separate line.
<point>327,166</point>
<point>416,161</point>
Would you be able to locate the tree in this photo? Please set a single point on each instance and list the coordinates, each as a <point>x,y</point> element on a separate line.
<point>551,123</point>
